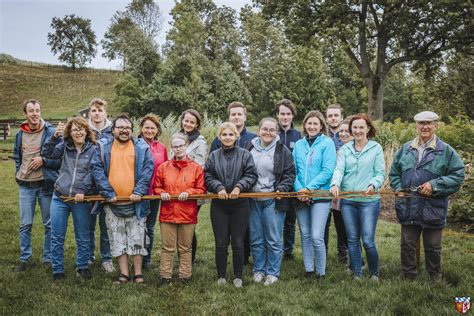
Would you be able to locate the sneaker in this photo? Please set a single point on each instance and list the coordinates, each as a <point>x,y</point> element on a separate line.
<point>84,274</point>
<point>258,277</point>
<point>320,277</point>
<point>58,277</point>
<point>185,281</point>
<point>309,274</point>
<point>108,266</point>
<point>288,257</point>
<point>237,282</point>
<point>270,280</point>
<point>23,266</point>
<point>165,282</point>
<point>221,281</point>
<point>374,279</point>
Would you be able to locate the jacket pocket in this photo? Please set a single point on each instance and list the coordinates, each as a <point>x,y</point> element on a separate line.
<point>402,209</point>
<point>434,212</point>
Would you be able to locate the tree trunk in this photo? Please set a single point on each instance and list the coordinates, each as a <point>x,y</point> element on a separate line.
<point>376,89</point>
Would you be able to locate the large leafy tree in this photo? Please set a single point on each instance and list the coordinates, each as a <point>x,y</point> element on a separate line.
<point>131,36</point>
<point>73,39</point>
<point>378,35</point>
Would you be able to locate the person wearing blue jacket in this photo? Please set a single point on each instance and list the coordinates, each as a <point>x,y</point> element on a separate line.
<point>35,175</point>
<point>75,149</point>
<point>360,167</point>
<point>315,158</point>
<point>123,167</point>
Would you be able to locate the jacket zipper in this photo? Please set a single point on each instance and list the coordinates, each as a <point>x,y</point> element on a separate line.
<point>74,173</point>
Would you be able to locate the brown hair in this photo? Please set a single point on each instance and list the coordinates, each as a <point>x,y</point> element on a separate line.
<point>97,103</point>
<point>34,101</point>
<point>236,105</point>
<point>154,119</point>
<point>194,113</point>
<point>286,103</point>
<point>320,117</point>
<point>81,123</point>
<point>368,121</point>
<point>334,106</point>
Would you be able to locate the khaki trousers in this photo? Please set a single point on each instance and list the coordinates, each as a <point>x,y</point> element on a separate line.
<point>180,237</point>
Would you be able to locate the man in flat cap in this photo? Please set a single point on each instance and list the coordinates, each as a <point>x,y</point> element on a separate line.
<point>431,170</point>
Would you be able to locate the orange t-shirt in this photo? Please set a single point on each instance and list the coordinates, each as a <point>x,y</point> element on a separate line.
<point>122,166</point>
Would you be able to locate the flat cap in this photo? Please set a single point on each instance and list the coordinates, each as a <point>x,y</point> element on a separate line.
<point>426,116</point>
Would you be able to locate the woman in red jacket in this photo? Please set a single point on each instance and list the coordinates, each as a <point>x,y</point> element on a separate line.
<point>178,217</point>
<point>150,130</point>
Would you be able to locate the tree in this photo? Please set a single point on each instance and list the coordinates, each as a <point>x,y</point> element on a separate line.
<point>73,39</point>
<point>377,35</point>
<point>139,16</point>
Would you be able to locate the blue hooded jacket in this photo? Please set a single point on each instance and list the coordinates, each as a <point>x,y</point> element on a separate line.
<point>143,172</point>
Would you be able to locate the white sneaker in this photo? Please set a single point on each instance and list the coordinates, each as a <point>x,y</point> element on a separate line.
<point>258,277</point>
<point>238,283</point>
<point>374,279</point>
<point>270,280</point>
<point>221,281</point>
<point>108,266</point>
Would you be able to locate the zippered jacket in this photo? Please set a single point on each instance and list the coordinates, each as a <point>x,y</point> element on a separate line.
<point>283,171</point>
<point>230,168</point>
<point>174,177</point>
<point>314,164</point>
<point>50,167</point>
<point>143,172</point>
<point>442,167</point>
<point>356,171</point>
<point>289,137</point>
<point>75,176</point>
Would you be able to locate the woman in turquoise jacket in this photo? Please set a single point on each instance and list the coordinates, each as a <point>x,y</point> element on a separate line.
<point>315,158</point>
<point>360,167</point>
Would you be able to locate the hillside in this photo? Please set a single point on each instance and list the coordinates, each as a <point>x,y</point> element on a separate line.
<point>61,91</point>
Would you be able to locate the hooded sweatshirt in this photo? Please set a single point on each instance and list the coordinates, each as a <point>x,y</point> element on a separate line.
<point>104,132</point>
<point>264,162</point>
<point>31,148</point>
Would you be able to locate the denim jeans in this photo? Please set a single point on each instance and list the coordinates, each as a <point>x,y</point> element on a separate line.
<point>360,219</point>
<point>59,220</point>
<point>312,222</point>
<point>28,197</point>
<point>265,226</point>
<point>104,238</point>
<point>150,227</point>
<point>289,230</point>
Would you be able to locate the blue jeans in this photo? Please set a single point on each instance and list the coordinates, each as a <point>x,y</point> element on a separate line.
<point>312,222</point>
<point>360,219</point>
<point>104,238</point>
<point>80,219</point>
<point>266,226</point>
<point>28,196</point>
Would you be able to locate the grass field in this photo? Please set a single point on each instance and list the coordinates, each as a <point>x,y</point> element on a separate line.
<point>33,292</point>
<point>61,91</point>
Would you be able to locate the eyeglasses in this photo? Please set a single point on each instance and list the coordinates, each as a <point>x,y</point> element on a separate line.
<point>178,147</point>
<point>123,128</point>
<point>268,130</point>
<point>425,123</point>
<point>77,130</point>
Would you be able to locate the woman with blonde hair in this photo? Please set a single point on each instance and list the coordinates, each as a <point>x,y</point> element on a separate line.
<point>229,171</point>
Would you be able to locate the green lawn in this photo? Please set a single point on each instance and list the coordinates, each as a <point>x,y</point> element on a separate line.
<point>33,292</point>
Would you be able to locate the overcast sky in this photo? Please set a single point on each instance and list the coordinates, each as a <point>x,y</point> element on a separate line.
<point>24,24</point>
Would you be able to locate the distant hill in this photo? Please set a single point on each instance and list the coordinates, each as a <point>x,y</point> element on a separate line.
<point>61,91</point>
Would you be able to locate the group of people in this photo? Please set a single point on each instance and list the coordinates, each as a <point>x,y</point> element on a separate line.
<point>59,166</point>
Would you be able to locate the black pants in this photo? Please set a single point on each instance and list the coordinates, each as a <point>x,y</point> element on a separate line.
<point>229,220</point>
<point>150,227</point>
<point>194,243</point>
<point>289,230</point>
<point>341,235</point>
<point>432,245</point>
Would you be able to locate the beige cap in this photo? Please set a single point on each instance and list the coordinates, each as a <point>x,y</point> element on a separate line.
<point>426,116</point>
